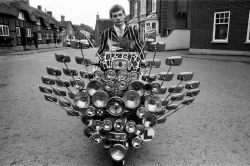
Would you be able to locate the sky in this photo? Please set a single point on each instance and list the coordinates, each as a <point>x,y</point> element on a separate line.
<point>79,11</point>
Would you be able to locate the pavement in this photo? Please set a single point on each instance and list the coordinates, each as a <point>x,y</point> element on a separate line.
<point>183,53</point>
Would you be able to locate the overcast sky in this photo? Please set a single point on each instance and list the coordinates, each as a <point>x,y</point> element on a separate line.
<point>79,11</point>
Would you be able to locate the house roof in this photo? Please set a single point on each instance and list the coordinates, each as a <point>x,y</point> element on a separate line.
<point>103,24</point>
<point>13,7</point>
<point>66,24</point>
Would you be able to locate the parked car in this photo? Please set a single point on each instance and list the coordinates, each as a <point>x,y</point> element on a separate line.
<point>85,42</point>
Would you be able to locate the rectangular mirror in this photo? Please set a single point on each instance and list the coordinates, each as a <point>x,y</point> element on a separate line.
<point>174,61</point>
<point>63,58</point>
<point>185,76</point>
<point>193,92</point>
<point>53,71</point>
<point>175,89</point>
<point>48,80</point>
<point>50,98</point>
<point>62,83</point>
<point>149,78</point>
<point>161,120</point>
<point>164,76</point>
<point>172,106</point>
<point>162,90</point>
<point>70,72</point>
<point>177,97</point>
<point>187,101</point>
<point>45,89</point>
<point>192,85</point>
<point>79,60</point>
<point>64,103</point>
<point>164,102</point>
<point>156,63</point>
<point>86,75</point>
<point>59,92</point>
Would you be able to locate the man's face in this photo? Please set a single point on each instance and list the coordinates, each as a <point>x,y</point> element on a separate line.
<point>118,18</point>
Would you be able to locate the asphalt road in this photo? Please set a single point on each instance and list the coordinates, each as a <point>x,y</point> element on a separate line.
<point>214,130</point>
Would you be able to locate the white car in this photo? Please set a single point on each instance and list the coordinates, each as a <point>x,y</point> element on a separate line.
<point>85,42</point>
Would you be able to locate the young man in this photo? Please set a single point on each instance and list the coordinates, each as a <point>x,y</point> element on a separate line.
<point>119,32</point>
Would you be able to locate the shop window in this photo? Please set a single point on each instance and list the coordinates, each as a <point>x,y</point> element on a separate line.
<point>135,9</point>
<point>4,30</point>
<point>28,32</point>
<point>18,34</point>
<point>39,36</point>
<point>248,29</point>
<point>153,25</point>
<point>221,26</point>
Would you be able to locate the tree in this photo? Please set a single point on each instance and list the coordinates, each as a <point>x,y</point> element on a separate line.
<point>82,26</point>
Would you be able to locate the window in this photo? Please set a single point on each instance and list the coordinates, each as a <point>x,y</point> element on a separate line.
<point>28,32</point>
<point>47,36</point>
<point>153,25</point>
<point>143,7</point>
<point>135,9</point>
<point>153,5</point>
<point>38,22</point>
<point>221,26</point>
<point>39,36</point>
<point>18,34</point>
<point>248,29</point>
<point>21,16</point>
<point>51,36</point>
<point>4,30</point>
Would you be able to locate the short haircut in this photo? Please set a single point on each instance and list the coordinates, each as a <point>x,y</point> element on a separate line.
<point>116,8</point>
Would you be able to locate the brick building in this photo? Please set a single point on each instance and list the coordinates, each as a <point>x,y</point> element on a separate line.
<point>171,20</point>
<point>220,27</point>
<point>21,25</point>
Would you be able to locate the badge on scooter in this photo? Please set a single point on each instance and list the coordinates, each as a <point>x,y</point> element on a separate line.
<point>148,134</point>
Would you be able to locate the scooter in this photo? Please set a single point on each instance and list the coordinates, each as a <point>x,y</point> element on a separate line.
<point>119,104</point>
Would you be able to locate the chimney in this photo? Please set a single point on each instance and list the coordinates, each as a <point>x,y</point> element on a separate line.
<point>97,16</point>
<point>39,7</point>
<point>62,18</point>
<point>49,12</point>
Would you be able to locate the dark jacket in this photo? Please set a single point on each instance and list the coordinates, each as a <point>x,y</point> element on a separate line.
<point>130,34</point>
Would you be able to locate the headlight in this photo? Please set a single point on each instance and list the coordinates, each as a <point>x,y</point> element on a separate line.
<point>120,64</point>
<point>130,126</point>
<point>137,86</point>
<point>96,138</point>
<point>141,112</point>
<point>156,87</point>
<point>139,129</point>
<point>100,99</point>
<point>82,99</point>
<point>90,111</point>
<point>116,93</point>
<point>137,142</point>
<point>118,152</point>
<point>97,125</point>
<point>122,85</point>
<point>119,125</point>
<point>152,103</point>
<point>107,124</point>
<point>110,74</point>
<point>93,86</point>
<point>98,75</point>
<point>122,74</point>
<point>131,99</point>
<point>109,86</point>
<point>78,84</point>
<point>133,75</point>
<point>115,106</point>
